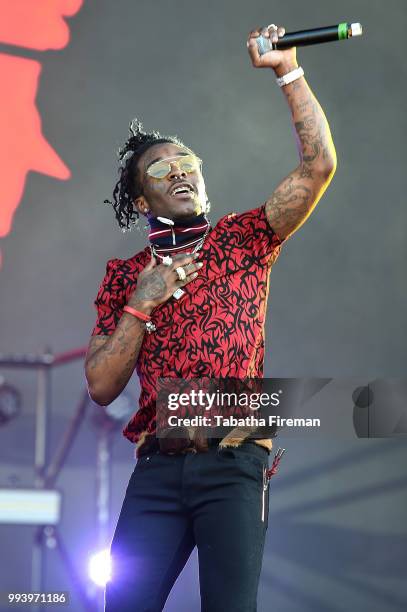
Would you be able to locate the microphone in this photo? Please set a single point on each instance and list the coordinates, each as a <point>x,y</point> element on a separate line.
<point>316,36</point>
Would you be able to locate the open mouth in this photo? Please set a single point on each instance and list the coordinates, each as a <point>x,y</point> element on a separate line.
<point>182,191</point>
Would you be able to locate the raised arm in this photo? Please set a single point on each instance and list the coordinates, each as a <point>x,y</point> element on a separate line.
<point>297,195</point>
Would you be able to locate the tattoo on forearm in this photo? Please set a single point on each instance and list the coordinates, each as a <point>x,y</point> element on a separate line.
<point>310,124</point>
<point>128,367</point>
<point>296,196</point>
<point>303,106</point>
<point>104,348</point>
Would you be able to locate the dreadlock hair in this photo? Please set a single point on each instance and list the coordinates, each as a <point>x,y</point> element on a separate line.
<point>128,187</point>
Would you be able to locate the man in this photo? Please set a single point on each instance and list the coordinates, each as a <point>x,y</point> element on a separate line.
<point>191,305</point>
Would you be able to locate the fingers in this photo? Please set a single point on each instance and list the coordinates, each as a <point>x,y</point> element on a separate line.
<point>255,33</point>
<point>193,267</point>
<point>274,32</point>
<point>253,49</point>
<point>271,31</point>
<point>191,270</point>
<point>182,259</point>
<point>266,59</point>
<point>189,278</point>
<point>187,262</point>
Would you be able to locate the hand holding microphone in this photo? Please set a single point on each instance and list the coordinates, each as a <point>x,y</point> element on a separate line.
<point>303,38</point>
<point>274,58</point>
<point>271,47</point>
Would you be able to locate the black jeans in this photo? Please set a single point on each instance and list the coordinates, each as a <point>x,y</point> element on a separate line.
<point>217,501</point>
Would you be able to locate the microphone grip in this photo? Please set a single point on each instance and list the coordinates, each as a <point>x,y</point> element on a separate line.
<point>304,38</point>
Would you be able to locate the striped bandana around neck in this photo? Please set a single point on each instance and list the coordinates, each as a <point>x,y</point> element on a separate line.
<point>181,234</point>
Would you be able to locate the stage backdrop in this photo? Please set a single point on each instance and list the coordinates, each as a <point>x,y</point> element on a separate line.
<point>73,74</point>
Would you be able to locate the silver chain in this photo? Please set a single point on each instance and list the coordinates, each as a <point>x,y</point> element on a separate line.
<point>197,247</point>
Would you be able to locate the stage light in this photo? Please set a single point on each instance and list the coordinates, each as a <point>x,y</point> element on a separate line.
<point>100,567</point>
<point>10,402</point>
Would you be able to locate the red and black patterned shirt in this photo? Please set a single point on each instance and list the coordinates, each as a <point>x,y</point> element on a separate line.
<point>216,329</point>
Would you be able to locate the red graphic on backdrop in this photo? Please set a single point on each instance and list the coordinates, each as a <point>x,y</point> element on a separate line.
<point>36,24</point>
<point>39,25</point>
<point>23,146</point>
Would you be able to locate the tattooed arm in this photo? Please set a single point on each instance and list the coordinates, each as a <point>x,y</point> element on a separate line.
<point>297,195</point>
<point>110,360</point>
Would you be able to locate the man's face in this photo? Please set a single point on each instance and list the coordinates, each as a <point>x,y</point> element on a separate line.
<point>158,197</point>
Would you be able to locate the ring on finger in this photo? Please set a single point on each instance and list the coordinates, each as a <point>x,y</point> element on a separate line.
<point>272,25</point>
<point>181,273</point>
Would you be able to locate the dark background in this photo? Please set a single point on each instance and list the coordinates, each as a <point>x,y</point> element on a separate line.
<point>337,536</point>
